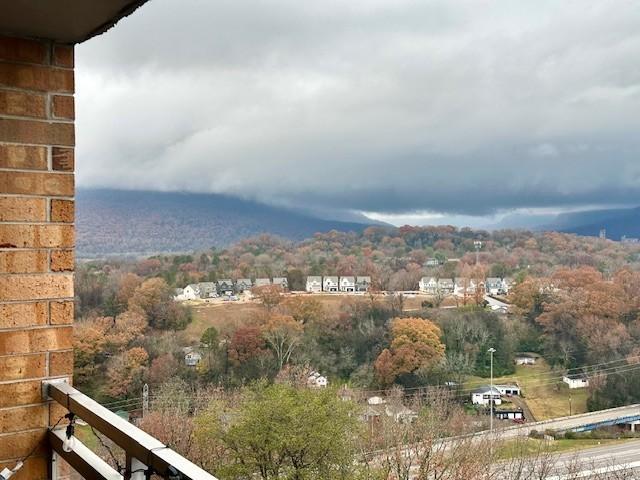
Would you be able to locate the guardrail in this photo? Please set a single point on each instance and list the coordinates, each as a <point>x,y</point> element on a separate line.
<point>145,455</point>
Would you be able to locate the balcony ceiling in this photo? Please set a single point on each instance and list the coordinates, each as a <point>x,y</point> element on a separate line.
<point>66,21</point>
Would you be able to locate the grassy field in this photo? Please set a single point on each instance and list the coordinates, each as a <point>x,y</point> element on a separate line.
<point>543,390</point>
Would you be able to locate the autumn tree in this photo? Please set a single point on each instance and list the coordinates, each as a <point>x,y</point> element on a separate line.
<point>153,297</point>
<point>269,295</point>
<point>125,372</point>
<point>415,344</point>
<point>304,310</point>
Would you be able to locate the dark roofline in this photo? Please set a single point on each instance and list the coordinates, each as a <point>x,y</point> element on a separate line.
<point>123,12</point>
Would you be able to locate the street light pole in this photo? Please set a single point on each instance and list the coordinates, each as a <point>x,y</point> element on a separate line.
<point>491,352</point>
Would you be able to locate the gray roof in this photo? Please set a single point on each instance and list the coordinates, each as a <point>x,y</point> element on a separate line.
<point>314,278</point>
<point>348,278</point>
<point>331,279</point>
<point>365,278</point>
<point>487,389</point>
<point>262,281</point>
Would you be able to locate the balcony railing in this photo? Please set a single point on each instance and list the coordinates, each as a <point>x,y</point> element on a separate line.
<point>145,455</point>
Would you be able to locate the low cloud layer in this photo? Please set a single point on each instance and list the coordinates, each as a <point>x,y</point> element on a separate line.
<point>460,107</point>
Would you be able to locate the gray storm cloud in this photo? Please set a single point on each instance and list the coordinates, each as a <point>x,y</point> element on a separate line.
<point>463,107</point>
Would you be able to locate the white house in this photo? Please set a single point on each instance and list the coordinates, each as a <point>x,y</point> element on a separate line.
<point>508,284</point>
<point>484,395</point>
<point>330,284</point>
<point>316,380</point>
<point>178,294</point>
<point>282,281</point>
<point>262,282</point>
<point>191,292</point>
<point>446,285</point>
<point>347,284</point>
<point>576,380</point>
<point>428,285</point>
<point>462,286</point>
<point>363,284</point>
<point>208,290</point>
<point>508,390</point>
<point>511,414</point>
<point>494,286</point>
<point>192,359</point>
<point>314,284</point>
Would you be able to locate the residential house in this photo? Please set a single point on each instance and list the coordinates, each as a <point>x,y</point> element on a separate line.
<point>178,294</point>
<point>484,395</point>
<point>315,380</point>
<point>428,285</point>
<point>282,281</point>
<point>432,262</point>
<point>526,358</point>
<point>576,380</point>
<point>208,290</point>
<point>191,292</point>
<point>347,284</point>
<point>508,284</point>
<point>377,407</point>
<point>508,390</point>
<point>330,284</point>
<point>494,286</point>
<point>445,286</point>
<point>464,286</point>
<point>363,284</point>
<point>225,287</point>
<point>243,284</point>
<point>262,282</point>
<point>191,357</point>
<point>314,284</point>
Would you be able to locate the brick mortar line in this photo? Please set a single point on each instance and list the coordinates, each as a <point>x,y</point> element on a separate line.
<point>26,170</point>
<point>39,223</point>
<point>49,62</point>
<point>40,145</point>
<point>26,195</point>
<point>52,377</point>
<point>33,328</point>
<point>36,300</point>
<point>48,118</point>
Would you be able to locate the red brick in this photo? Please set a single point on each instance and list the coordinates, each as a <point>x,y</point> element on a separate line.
<point>22,156</point>
<point>62,211</point>
<point>20,393</point>
<point>62,313</point>
<point>62,261</point>
<point>63,159</point>
<point>20,315</point>
<point>22,50</point>
<point>62,106</point>
<point>22,367</point>
<point>22,104</point>
<point>23,261</point>
<point>21,209</point>
<point>18,445</point>
<point>63,56</point>
<point>35,468</point>
<point>35,286</point>
<point>24,418</point>
<point>32,77</point>
<point>36,183</point>
<point>36,236</point>
<point>61,363</point>
<point>35,340</point>
<point>56,412</point>
<point>36,132</point>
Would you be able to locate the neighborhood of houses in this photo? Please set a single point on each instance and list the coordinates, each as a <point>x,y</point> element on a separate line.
<point>225,288</point>
<point>461,286</point>
<point>335,284</point>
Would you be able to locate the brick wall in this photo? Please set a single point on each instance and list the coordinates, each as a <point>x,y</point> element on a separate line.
<point>36,241</point>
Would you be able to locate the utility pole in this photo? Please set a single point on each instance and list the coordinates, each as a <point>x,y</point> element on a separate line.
<point>491,352</point>
<point>145,400</point>
<point>478,245</point>
<point>569,402</point>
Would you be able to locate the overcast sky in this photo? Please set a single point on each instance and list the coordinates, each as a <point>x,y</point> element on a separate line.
<point>409,109</point>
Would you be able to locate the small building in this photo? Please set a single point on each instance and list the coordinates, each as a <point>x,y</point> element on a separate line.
<point>526,358</point>
<point>484,395</point>
<point>191,292</point>
<point>508,390</point>
<point>178,294</point>
<point>428,285</point>
<point>192,358</point>
<point>262,282</point>
<point>225,287</point>
<point>208,290</point>
<point>508,284</point>
<point>363,284</point>
<point>463,286</point>
<point>281,281</point>
<point>314,284</point>
<point>432,262</point>
<point>315,380</point>
<point>243,284</point>
<point>445,285</point>
<point>330,284</point>
<point>494,286</point>
<point>509,414</point>
<point>576,380</point>
<point>348,284</point>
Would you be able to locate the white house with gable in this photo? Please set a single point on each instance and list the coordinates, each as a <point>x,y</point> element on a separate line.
<point>316,380</point>
<point>428,285</point>
<point>347,284</point>
<point>330,284</point>
<point>314,284</point>
<point>484,395</point>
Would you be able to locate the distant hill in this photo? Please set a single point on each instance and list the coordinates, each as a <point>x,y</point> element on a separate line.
<point>617,222</point>
<point>118,222</point>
